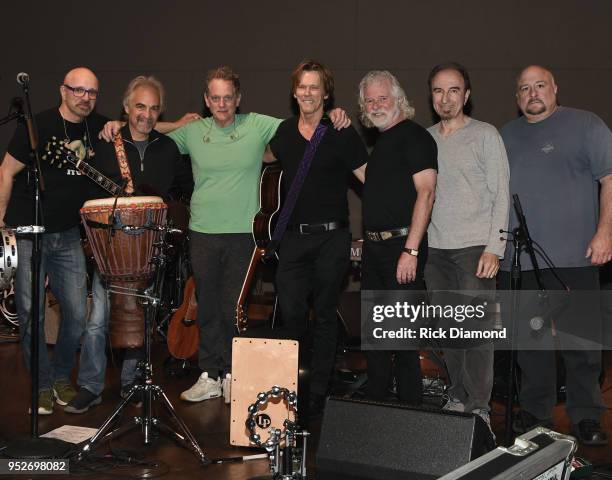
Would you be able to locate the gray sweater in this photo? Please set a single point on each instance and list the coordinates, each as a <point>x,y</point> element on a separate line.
<point>472,194</point>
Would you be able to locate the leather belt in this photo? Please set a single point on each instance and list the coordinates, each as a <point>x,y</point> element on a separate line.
<point>308,228</point>
<point>386,234</point>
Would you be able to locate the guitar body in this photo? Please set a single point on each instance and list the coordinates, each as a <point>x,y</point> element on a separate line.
<point>263,226</point>
<point>184,332</point>
<point>269,205</point>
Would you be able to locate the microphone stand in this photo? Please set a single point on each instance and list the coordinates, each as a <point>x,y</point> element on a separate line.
<point>520,240</point>
<point>35,447</point>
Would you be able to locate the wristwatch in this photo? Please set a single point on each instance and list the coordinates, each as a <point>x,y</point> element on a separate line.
<point>411,251</point>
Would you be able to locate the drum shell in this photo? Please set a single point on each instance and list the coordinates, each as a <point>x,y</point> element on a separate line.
<point>126,327</point>
<point>120,255</point>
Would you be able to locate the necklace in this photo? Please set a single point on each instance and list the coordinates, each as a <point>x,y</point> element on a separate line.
<point>233,136</point>
<point>87,138</point>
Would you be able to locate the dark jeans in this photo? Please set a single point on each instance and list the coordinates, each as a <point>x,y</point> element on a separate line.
<point>219,264</point>
<point>379,265</point>
<point>313,264</point>
<point>538,393</point>
<point>63,261</point>
<point>470,370</point>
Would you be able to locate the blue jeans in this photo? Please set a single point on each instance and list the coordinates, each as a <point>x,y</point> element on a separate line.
<point>63,261</point>
<point>93,351</point>
<point>92,367</point>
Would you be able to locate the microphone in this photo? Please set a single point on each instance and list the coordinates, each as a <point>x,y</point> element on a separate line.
<point>23,79</point>
<point>547,319</point>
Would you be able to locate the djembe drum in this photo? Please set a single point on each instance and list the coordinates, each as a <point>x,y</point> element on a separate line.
<point>122,233</point>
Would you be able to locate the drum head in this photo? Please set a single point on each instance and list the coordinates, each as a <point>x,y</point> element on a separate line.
<point>122,201</point>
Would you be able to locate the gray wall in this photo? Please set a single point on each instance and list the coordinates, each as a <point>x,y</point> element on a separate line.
<point>263,40</point>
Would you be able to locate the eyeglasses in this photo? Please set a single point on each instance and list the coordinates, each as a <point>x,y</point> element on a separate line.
<point>226,98</point>
<point>80,91</point>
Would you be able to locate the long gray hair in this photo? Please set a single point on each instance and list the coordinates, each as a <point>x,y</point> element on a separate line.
<point>396,90</point>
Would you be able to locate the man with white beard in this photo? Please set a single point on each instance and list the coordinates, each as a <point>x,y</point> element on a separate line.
<point>397,201</point>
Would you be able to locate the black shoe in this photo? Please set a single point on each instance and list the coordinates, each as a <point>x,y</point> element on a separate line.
<point>589,432</point>
<point>136,399</point>
<point>82,401</point>
<point>525,421</point>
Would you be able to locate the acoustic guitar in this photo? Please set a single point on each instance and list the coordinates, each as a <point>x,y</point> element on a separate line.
<point>263,227</point>
<point>183,335</point>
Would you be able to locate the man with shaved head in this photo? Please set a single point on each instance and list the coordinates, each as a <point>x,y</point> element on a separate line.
<point>559,158</point>
<point>62,258</point>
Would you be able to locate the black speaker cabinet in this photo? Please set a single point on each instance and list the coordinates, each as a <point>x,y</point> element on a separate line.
<point>374,441</point>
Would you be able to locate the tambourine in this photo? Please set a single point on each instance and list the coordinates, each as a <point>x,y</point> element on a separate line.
<point>276,436</point>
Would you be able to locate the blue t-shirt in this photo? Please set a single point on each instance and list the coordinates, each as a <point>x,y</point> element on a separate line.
<point>555,166</point>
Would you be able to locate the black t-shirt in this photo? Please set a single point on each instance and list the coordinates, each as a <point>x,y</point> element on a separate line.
<point>65,188</point>
<point>323,197</point>
<point>160,167</point>
<point>389,193</point>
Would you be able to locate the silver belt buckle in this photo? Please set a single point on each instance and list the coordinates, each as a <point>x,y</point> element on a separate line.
<point>385,235</point>
<point>302,225</point>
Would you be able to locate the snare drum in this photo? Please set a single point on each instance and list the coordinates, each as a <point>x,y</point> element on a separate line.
<point>8,258</point>
<point>122,239</point>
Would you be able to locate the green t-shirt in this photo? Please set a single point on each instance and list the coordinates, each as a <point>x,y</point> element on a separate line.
<point>226,165</point>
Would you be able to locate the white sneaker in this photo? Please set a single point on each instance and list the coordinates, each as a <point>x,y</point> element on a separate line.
<point>226,386</point>
<point>204,389</point>
<point>454,405</point>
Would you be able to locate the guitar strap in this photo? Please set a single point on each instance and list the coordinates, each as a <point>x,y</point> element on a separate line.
<point>294,189</point>
<point>124,167</point>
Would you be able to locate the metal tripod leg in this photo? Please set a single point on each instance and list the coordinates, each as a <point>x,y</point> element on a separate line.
<point>146,422</point>
<point>149,389</point>
<point>187,438</point>
<point>103,430</point>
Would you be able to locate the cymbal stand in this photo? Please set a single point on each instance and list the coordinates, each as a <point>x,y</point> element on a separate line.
<point>150,391</point>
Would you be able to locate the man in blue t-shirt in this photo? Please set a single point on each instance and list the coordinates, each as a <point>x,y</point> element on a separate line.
<point>552,151</point>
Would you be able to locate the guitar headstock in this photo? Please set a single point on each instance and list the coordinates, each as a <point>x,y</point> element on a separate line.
<point>59,152</point>
<point>241,319</point>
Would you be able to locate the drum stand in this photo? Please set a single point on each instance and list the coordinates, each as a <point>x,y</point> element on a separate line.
<point>150,391</point>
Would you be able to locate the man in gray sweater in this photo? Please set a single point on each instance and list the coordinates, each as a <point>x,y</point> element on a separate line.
<point>471,206</point>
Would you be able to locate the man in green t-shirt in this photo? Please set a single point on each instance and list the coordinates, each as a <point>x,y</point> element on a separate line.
<point>226,153</point>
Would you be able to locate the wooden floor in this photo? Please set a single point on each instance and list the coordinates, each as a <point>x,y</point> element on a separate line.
<point>208,421</point>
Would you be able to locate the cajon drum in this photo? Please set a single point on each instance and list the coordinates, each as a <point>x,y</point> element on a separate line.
<point>257,365</point>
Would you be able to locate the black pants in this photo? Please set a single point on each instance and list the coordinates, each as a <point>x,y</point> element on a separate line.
<point>378,269</point>
<point>538,393</point>
<point>314,265</point>
<point>219,264</point>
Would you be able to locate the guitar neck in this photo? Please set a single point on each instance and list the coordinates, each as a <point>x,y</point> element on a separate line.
<point>102,180</point>
<point>241,317</point>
